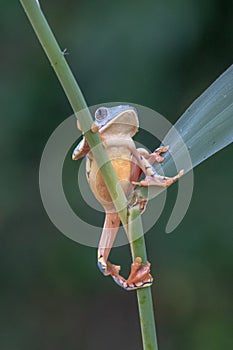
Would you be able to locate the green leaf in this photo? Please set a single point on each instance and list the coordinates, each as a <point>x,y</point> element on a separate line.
<point>206,126</point>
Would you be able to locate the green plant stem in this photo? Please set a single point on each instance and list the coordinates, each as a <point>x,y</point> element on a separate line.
<point>78,103</point>
<point>145,304</point>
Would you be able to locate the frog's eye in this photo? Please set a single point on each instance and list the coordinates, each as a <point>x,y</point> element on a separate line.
<point>101,113</point>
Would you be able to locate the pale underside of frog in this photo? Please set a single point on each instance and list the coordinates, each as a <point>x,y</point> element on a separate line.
<point>116,126</point>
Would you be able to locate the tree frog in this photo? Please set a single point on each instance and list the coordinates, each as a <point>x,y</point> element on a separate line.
<point>117,125</point>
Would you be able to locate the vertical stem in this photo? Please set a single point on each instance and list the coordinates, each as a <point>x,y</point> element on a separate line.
<point>145,304</point>
<point>77,101</point>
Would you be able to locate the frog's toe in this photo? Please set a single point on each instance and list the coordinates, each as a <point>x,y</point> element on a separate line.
<point>157,180</point>
<point>134,285</point>
<point>140,272</point>
<point>139,277</point>
<point>156,155</point>
<point>94,127</point>
<point>162,149</point>
<point>140,183</point>
<point>107,268</point>
<point>102,265</point>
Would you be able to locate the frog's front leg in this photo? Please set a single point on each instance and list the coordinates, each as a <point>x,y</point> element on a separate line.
<point>152,177</point>
<point>81,149</point>
<point>139,156</point>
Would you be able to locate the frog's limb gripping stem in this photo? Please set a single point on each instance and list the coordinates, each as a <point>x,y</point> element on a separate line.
<point>81,150</point>
<point>145,161</point>
<point>155,156</point>
<point>140,274</point>
<point>94,127</point>
<point>139,277</point>
<point>158,180</point>
<point>136,198</point>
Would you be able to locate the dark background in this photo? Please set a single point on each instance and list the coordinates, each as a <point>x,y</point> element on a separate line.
<point>161,54</point>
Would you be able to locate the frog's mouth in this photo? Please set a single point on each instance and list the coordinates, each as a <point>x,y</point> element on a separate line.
<point>123,121</point>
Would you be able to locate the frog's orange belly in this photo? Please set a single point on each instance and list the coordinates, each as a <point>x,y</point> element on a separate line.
<point>122,168</point>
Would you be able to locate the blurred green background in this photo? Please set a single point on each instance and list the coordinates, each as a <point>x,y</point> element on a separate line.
<point>161,54</point>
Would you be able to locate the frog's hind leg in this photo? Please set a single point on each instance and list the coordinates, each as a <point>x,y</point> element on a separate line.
<point>140,274</point>
<point>111,226</point>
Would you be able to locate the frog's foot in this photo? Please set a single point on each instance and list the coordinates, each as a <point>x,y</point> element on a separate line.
<point>140,273</point>
<point>81,150</point>
<point>157,180</point>
<point>135,198</point>
<point>94,127</point>
<point>139,277</point>
<point>156,155</point>
<point>108,268</point>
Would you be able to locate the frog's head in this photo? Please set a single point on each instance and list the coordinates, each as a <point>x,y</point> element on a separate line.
<point>118,120</point>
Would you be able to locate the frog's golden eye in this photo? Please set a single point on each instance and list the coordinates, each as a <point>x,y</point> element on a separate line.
<point>101,113</point>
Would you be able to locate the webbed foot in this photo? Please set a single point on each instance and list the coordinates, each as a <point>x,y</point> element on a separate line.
<point>108,268</point>
<point>139,277</point>
<point>156,155</point>
<point>157,180</point>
